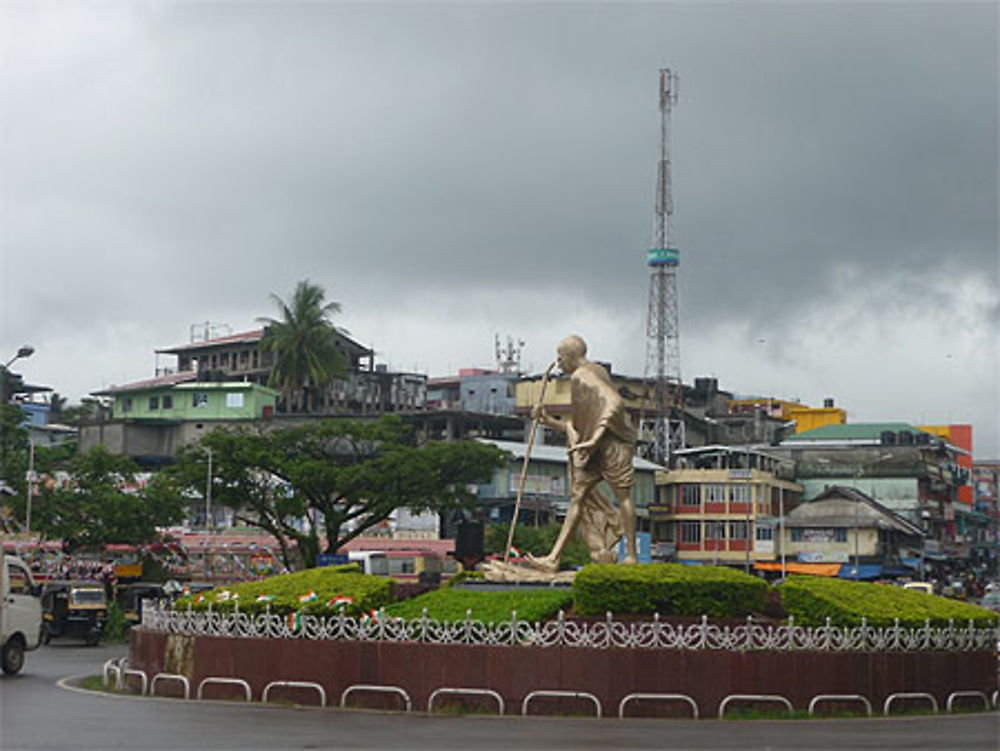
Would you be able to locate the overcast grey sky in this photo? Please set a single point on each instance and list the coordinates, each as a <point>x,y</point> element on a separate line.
<point>452,171</point>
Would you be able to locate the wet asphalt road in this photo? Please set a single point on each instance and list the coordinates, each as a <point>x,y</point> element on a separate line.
<point>35,713</point>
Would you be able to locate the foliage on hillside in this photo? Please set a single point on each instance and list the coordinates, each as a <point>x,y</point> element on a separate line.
<point>811,600</point>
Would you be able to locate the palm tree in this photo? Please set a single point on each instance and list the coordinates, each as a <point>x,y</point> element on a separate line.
<point>304,344</point>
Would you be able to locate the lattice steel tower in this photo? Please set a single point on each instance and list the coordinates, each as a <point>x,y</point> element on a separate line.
<point>664,431</point>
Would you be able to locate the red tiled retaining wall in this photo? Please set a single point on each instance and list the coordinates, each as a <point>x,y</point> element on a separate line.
<point>609,674</point>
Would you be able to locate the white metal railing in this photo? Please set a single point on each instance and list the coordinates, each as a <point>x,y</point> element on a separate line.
<point>465,692</point>
<point>213,681</point>
<point>559,632</point>
<point>771,698</point>
<point>659,697</point>
<point>396,690</point>
<point>295,684</point>
<point>967,695</point>
<point>130,672</point>
<point>909,695</point>
<point>182,679</point>
<point>840,698</point>
<point>562,695</point>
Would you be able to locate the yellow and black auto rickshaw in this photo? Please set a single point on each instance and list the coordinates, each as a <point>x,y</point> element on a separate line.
<point>75,609</point>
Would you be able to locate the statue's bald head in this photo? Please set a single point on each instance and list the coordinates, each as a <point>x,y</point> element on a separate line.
<point>571,353</point>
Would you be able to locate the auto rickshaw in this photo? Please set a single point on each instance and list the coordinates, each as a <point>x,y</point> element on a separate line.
<point>75,609</point>
<point>131,596</point>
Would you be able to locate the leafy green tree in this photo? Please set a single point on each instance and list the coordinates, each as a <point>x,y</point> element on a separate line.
<point>88,410</point>
<point>102,503</point>
<point>345,476</point>
<point>13,459</point>
<point>304,344</point>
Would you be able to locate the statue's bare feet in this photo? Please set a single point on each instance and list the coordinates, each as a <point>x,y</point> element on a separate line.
<point>546,563</point>
<point>629,559</point>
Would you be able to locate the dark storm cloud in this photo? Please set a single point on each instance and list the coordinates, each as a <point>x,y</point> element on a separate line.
<point>178,162</point>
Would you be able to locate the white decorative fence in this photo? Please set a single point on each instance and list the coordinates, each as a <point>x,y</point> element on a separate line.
<point>609,633</point>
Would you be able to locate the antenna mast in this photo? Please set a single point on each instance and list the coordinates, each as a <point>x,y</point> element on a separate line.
<point>665,432</point>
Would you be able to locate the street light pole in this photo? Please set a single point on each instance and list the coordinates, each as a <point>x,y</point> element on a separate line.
<point>31,486</point>
<point>24,351</point>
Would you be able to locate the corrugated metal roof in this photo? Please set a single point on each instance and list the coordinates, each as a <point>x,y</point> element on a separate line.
<point>244,337</point>
<point>148,383</point>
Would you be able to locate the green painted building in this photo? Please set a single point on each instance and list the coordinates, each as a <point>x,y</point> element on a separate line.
<point>174,400</point>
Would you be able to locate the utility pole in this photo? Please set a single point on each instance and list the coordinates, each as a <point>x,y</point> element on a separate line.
<point>208,494</point>
<point>663,360</point>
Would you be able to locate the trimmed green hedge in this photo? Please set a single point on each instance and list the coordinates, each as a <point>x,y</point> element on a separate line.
<point>668,589</point>
<point>451,603</point>
<point>814,599</point>
<point>366,593</point>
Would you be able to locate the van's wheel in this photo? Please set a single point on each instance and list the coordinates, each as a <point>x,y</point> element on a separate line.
<point>12,656</point>
<point>93,638</point>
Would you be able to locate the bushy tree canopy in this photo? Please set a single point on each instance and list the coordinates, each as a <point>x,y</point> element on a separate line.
<point>344,475</point>
<point>101,502</point>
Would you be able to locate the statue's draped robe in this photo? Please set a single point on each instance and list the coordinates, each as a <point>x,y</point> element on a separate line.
<point>596,403</point>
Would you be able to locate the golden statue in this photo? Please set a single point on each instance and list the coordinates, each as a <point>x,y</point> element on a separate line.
<point>601,444</point>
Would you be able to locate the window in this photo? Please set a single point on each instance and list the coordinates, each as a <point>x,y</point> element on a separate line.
<point>664,531</point>
<point>840,535</point>
<point>715,530</point>
<point>154,403</point>
<point>690,531</point>
<point>127,404</point>
<point>797,535</point>
<point>738,530</point>
<point>739,494</point>
<point>199,399</point>
<point>234,400</point>
<point>168,402</point>
<point>690,495</point>
<point>18,579</point>
<point>765,533</point>
<point>715,494</point>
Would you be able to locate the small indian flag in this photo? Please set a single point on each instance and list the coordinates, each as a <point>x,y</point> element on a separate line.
<point>294,622</point>
<point>514,552</point>
<point>199,598</point>
<point>339,600</point>
<point>265,598</point>
<point>309,596</point>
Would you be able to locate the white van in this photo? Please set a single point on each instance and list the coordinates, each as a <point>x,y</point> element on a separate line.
<point>20,613</point>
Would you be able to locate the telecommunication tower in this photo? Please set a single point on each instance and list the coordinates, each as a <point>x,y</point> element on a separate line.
<point>665,431</point>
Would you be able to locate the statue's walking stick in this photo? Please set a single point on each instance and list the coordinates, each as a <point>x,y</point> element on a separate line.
<point>524,466</point>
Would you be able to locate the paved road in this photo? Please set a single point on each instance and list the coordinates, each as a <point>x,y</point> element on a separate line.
<point>36,714</point>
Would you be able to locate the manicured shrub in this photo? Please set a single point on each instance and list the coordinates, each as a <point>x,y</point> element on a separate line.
<point>668,589</point>
<point>315,591</point>
<point>811,600</point>
<point>451,604</point>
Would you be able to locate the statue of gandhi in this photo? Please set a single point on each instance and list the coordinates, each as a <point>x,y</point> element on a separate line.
<point>601,447</point>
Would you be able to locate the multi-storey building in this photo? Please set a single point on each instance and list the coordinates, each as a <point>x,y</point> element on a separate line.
<point>910,471</point>
<point>845,525</point>
<point>986,481</point>
<point>723,505</point>
<point>365,389</point>
<point>149,420</point>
